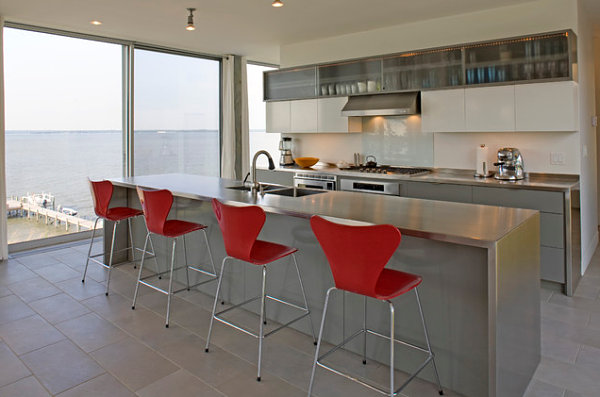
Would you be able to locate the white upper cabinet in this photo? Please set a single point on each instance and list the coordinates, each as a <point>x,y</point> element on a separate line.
<point>547,106</point>
<point>278,117</point>
<point>490,109</point>
<point>443,111</point>
<point>304,115</point>
<point>330,117</point>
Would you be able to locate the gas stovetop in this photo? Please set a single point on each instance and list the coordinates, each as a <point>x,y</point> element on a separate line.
<point>386,169</point>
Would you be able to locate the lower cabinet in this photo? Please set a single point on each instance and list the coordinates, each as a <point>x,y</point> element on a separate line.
<point>438,191</point>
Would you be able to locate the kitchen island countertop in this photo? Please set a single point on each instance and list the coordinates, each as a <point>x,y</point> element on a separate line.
<point>468,224</point>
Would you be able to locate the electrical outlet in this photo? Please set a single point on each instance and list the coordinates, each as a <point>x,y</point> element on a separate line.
<point>557,158</point>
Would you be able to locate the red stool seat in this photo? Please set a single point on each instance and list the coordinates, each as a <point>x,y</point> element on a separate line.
<point>175,228</point>
<point>392,283</point>
<point>121,213</point>
<point>264,252</point>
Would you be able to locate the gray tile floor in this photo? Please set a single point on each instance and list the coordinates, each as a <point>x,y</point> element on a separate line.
<point>61,337</point>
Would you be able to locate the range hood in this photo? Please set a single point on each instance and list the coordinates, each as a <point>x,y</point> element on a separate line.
<point>397,104</point>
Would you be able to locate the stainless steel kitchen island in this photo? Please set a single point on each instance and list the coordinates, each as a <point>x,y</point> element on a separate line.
<point>480,266</point>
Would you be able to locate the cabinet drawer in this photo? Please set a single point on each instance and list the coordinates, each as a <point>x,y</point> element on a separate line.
<point>532,199</point>
<point>439,191</point>
<point>552,228</point>
<point>552,261</point>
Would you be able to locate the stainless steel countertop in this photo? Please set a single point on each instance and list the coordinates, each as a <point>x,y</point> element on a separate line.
<point>551,182</point>
<point>465,224</point>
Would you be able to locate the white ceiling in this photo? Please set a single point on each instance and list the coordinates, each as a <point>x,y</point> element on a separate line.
<point>245,27</point>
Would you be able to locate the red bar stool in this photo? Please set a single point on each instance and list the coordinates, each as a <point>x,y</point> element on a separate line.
<point>101,194</point>
<point>240,227</point>
<point>157,205</point>
<point>357,256</point>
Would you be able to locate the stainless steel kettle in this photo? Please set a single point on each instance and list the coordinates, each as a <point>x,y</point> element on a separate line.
<point>510,164</point>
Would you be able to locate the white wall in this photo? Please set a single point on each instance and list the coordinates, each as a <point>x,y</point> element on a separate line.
<point>587,136</point>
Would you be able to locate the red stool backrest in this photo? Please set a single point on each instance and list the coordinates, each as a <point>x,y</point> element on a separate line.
<point>156,205</point>
<point>101,194</point>
<point>356,254</point>
<point>240,227</point>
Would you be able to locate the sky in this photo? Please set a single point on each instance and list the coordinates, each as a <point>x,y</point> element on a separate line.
<point>62,83</point>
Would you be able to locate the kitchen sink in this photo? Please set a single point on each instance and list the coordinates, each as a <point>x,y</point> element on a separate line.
<point>247,188</point>
<point>295,192</point>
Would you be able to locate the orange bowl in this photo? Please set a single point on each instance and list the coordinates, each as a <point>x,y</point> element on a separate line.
<point>306,162</point>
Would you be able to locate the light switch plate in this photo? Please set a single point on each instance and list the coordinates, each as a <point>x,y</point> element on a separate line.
<point>557,158</point>
<point>594,121</point>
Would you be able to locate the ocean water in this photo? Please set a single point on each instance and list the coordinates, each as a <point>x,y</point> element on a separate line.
<point>59,162</point>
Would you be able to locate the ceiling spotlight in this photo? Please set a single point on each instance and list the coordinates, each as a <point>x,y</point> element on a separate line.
<point>94,22</point>
<point>277,3</point>
<point>190,22</point>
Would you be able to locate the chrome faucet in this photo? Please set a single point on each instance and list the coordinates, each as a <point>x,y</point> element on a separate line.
<point>255,184</point>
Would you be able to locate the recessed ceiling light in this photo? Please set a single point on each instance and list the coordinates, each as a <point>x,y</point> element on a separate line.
<point>94,22</point>
<point>190,20</point>
<point>277,3</point>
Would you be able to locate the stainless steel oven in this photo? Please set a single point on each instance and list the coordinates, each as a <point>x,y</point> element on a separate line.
<point>370,186</point>
<point>315,181</point>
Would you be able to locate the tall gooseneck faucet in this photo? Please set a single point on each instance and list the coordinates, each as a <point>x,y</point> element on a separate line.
<point>255,184</point>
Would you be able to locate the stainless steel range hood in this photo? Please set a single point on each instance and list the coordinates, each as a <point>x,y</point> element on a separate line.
<point>397,104</point>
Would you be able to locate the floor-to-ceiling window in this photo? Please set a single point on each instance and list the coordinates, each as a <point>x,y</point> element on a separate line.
<point>259,139</point>
<point>177,114</point>
<point>63,99</point>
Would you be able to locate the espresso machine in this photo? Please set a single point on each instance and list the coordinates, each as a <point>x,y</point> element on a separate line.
<point>285,147</point>
<point>510,164</point>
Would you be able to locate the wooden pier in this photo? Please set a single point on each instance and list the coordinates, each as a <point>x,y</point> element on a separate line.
<point>54,217</point>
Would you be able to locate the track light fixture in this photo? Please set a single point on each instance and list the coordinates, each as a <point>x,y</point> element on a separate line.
<point>277,3</point>
<point>190,21</point>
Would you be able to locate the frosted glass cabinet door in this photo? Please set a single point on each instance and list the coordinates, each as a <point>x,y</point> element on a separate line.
<point>278,117</point>
<point>547,106</point>
<point>330,117</point>
<point>490,109</point>
<point>304,115</point>
<point>443,111</point>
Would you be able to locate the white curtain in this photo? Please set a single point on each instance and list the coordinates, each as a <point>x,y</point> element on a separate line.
<point>3,229</point>
<point>244,113</point>
<point>228,114</point>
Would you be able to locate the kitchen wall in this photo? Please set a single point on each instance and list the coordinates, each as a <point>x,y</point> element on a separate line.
<point>457,150</point>
<point>597,81</point>
<point>587,136</point>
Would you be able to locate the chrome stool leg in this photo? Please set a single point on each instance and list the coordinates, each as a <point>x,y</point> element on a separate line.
<point>261,331</point>
<point>187,269</point>
<point>365,332</point>
<point>391,349</point>
<point>137,284</point>
<point>110,260</point>
<point>312,328</point>
<point>170,293</point>
<point>437,376</point>
<point>131,241</point>
<point>319,339</point>
<point>87,262</point>
<point>214,310</point>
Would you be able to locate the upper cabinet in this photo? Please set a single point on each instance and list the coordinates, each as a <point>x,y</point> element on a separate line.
<point>348,78</point>
<point>423,70</point>
<point>547,107</point>
<point>443,111</point>
<point>538,58</point>
<point>297,83</point>
<point>490,109</point>
<point>542,57</point>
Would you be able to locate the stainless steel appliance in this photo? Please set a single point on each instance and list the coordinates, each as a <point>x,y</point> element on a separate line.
<point>386,169</point>
<point>368,186</point>
<point>315,181</point>
<point>510,164</point>
<point>285,146</point>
